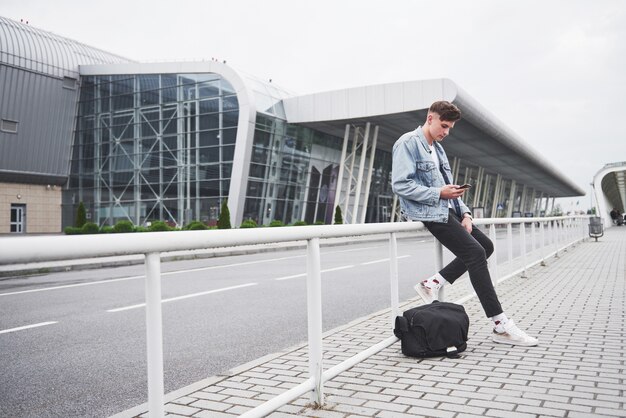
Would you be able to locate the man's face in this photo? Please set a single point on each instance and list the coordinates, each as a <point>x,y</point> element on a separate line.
<point>439,129</point>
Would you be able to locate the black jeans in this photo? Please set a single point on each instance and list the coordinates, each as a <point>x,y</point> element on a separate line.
<point>471,251</point>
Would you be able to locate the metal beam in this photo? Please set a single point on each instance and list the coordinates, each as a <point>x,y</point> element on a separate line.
<point>359,180</point>
<point>369,174</point>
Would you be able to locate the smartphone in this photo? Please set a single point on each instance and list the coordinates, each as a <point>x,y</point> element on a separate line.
<point>465,186</point>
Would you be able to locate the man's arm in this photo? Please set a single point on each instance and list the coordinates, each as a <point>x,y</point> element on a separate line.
<point>403,178</point>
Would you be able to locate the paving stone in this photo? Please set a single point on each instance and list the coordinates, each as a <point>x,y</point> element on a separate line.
<point>208,396</point>
<point>211,405</point>
<point>424,412</point>
<point>185,400</point>
<point>541,411</point>
<point>180,409</point>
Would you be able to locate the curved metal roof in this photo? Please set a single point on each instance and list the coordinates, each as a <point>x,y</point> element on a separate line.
<point>610,189</point>
<point>33,49</point>
<point>397,108</point>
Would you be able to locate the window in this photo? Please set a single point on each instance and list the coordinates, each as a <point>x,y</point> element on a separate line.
<point>18,218</point>
<point>69,83</point>
<point>9,126</point>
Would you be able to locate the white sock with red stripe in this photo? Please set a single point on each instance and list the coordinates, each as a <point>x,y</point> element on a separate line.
<point>434,282</point>
<point>499,321</point>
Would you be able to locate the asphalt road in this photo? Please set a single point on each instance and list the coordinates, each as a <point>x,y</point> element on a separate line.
<point>73,344</point>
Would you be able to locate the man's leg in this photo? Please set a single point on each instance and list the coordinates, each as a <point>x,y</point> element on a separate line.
<point>456,268</point>
<point>471,255</point>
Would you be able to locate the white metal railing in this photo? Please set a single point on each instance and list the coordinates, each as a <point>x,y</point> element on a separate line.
<point>566,231</point>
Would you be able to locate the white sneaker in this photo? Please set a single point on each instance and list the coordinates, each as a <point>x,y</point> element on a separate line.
<point>511,334</point>
<point>427,294</point>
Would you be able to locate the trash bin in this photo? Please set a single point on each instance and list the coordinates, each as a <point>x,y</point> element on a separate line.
<point>596,229</point>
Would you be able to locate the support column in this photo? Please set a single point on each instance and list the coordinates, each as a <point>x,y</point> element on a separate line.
<point>496,196</point>
<point>479,186</point>
<point>509,210</point>
<point>359,180</point>
<point>485,189</point>
<point>344,150</point>
<point>456,163</point>
<point>522,203</point>
<point>349,185</point>
<point>368,183</point>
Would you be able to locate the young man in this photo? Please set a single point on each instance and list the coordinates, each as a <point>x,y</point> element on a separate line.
<point>422,179</point>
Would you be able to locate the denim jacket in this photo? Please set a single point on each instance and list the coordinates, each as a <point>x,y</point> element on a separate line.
<point>417,181</point>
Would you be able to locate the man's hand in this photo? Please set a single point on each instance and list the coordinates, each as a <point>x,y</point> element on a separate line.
<point>467,223</point>
<point>451,191</point>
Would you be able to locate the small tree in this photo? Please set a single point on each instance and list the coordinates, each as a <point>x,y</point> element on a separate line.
<point>224,220</point>
<point>338,216</point>
<point>81,215</point>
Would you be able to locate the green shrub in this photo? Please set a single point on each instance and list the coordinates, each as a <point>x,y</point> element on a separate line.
<point>72,230</point>
<point>124,226</point>
<point>90,228</point>
<point>81,215</point>
<point>338,216</point>
<point>300,223</point>
<point>107,229</point>
<point>141,229</point>
<point>223,221</point>
<point>248,223</point>
<point>159,226</point>
<point>277,222</point>
<point>320,223</point>
<point>196,226</point>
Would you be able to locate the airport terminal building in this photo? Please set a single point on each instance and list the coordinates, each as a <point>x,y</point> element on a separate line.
<point>173,141</point>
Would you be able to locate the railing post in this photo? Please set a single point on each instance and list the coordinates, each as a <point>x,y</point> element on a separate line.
<point>439,266</point>
<point>522,232</point>
<point>393,276</point>
<point>314,310</point>
<point>154,339</point>
<point>542,243</point>
<point>493,260</point>
<point>555,238</point>
<point>533,233</point>
<point>509,241</point>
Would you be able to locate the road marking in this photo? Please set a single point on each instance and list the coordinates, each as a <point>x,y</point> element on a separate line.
<point>323,271</point>
<point>66,286</point>
<point>382,260</point>
<point>351,249</point>
<point>41,324</point>
<point>192,295</point>
<point>291,277</point>
<point>169,273</point>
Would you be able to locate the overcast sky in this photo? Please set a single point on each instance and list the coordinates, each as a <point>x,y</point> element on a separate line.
<point>552,71</point>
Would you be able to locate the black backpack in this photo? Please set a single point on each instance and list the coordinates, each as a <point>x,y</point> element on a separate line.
<point>433,330</point>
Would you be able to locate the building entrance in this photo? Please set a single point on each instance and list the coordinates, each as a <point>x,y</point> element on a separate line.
<point>18,218</point>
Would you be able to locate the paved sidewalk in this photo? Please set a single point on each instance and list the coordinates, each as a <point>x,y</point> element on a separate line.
<point>574,305</point>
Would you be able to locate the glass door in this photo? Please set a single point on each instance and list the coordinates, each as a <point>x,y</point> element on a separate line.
<point>18,218</point>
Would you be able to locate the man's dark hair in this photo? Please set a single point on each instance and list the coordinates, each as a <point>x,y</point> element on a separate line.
<point>446,111</point>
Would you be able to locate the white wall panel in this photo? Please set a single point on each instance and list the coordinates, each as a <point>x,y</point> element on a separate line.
<point>357,102</point>
<point>375,99</point>
<point>339,105</point>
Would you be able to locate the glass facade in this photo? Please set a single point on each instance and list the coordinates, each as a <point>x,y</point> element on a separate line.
<point>161,147</point>
<point>153,147</point>
<point>294,171</point>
